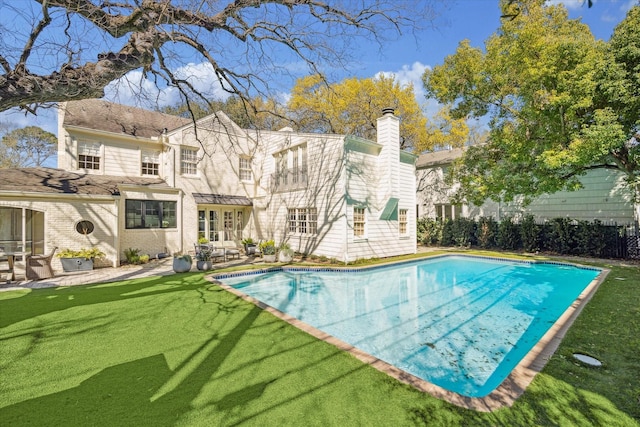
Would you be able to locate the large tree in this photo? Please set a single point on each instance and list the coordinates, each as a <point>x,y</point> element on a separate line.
<point>557,102</point>
<point>27,147</point>
<point>353,105</point>
<point>71,49</point>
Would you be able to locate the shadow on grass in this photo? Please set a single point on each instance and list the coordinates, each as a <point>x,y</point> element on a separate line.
<point>33,303</point>
<point>133,393</point>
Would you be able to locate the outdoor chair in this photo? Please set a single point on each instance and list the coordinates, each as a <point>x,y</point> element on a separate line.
<point>218,253</point>
<point>38,267</point>
<point>232,252</point>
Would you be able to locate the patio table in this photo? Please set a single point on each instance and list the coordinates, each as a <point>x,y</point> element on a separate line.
<point>11,260</point>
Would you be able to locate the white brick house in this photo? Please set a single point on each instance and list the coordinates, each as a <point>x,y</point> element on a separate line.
<point>154,182</point>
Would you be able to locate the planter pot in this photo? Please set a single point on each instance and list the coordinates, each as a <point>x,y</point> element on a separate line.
<point>269,258</point>
<point>76,264</point>
<point>181,265</point>
<point>284,257</point>
<point>204,265</point>
<point>250,249</point>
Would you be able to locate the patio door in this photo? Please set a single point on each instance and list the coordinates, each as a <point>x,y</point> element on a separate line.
<point>222,226</point>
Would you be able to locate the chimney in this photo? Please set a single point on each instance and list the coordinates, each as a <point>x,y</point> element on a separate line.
<point>388,127</point>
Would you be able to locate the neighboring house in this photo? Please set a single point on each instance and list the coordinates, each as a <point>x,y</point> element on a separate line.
<point>145,180</point>
<point>603,196</point>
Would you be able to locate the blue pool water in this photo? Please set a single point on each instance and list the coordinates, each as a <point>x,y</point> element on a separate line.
<point>461,323</point>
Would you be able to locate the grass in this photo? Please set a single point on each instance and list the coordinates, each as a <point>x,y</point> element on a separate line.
<point>178,350</point>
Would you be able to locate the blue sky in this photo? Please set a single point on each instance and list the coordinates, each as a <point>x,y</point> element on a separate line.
<point>409,55</point>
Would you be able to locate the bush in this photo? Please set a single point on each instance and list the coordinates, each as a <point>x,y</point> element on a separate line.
<point>530,234</point>
<point>486,232</point>
<point>464,232</point>
<point>559,235</point>
<point>508,235</point>
<point>132,255</point>
<point>429,231</point>
<point>448,238</point>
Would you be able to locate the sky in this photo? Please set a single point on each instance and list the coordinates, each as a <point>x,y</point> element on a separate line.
<point>409,55</point>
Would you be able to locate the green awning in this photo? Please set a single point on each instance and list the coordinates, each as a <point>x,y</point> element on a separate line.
<point>390,212</point>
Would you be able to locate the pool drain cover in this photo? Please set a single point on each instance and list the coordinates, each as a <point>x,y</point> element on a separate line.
<point>588,360</point>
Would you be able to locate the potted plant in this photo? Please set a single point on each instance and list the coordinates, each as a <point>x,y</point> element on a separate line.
<point>268,250</point>
<point>203,240</point>
<point>182,263</point>
<point>285,254</point>
<point>203,259</point>
<point>80,260</point>
<point>249,246</point>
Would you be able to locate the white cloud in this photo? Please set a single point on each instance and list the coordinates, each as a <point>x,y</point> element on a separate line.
<point>569,4</point>
<point>409,74</point>
<point>135,89</point>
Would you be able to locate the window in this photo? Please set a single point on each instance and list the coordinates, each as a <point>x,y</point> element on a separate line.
<point>239,224</point>
<point>227,217</point>
<point>150,162</point>
<point>85,227</point>
<point>358,222</point>
<point>244,169</point>
<point>188,161</point>
<point>89,155</point>
<point>303,220</point>
<point>213,227</point>
<point>150,214</point>
<point>402,221</point>
<point>447,211</point>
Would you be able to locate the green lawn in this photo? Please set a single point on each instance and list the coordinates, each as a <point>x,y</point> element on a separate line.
<point>177,350</point>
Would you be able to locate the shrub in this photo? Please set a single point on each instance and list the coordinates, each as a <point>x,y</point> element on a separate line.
<point>132,255</point>
<point>508,235</point>
<point>463,230</point>
<point>429,231</point>
<point>486,232</point>
<point>448,238</point>
<point>559,235</point>
<point>530,234</point>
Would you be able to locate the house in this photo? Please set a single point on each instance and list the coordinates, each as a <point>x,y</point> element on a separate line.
<point>132,178</point>
<point>603,197</point>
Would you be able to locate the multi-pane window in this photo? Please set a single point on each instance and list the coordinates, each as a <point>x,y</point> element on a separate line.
<point>228,225</point>
<point>213,226</point>
<point>89,155</point>
<point>359,219</point>
<point>188,161</point>
<point>150,214</point>
<point>244,169</point>
<point>150,162</point>
<point>303,220</point>
<point>447,211</point>
<point>239,225</point>
<point>402,221</point>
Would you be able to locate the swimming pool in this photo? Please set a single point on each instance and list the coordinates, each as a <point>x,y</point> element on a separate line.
<point>462,323</point>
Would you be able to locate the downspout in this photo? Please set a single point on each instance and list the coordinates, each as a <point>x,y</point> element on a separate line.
<point>116,236</point>
<point>344,195</point>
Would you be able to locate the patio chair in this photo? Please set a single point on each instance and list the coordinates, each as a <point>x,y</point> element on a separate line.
<point>38,267</point>
<point>218,253</point>
<point>232,252</point>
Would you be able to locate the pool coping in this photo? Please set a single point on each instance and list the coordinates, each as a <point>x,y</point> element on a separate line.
<point>504,395</point>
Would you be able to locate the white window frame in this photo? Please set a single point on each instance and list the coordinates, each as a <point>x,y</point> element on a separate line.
<point>188,161</point>
<point>150,158</point>
<point>303,221</point>
<point>92,151</point>
<point>244,169</point>
<point>403,221</point>
<point>359,222</point>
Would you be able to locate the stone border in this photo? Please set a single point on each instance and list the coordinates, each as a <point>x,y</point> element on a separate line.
<point>504,395</point>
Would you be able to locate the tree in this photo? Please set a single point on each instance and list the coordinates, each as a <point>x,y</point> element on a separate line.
<point>247,44</point>
<point>255,113</point>
<point>27,147</point>
<point>353,105</point>
<point>558,103</point>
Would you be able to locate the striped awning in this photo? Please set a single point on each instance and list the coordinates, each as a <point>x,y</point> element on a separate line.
<point>221,199</point>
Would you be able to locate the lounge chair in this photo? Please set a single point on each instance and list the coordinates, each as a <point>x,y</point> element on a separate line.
<point>218,253</point>
<point>38,267</point>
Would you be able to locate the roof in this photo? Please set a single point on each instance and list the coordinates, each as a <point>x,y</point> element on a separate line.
<point>116,118</point>
<point>443,157</point>
<point>221,199</point>
<point>58,181</point>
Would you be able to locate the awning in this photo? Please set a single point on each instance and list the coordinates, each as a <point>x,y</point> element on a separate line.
<point>221,199</point>
<point>390,212</point>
